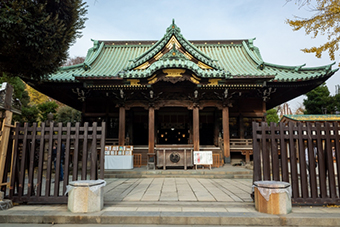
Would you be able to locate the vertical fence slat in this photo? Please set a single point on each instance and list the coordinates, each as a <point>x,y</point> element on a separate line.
<point>67,156</point>
<point>337,152</point>
<point>302,163</point>
<point>93,172</point>
<point>41,159</point>
<point>256,154</point>
<point>283,152</point>
<point>30,184</point>
<point>312,162</point>
<point>329,162</point>
<point>265,153</point>
<point>15,161</point>
<point>102,150</point>
<point>76,152</point>
<point>85,153</point>
<point>49,161</point>
<point>57,165</point>
<point>23,162</point>
<point>274,153</point>
<point>293,162</point>
<point>321,162</point>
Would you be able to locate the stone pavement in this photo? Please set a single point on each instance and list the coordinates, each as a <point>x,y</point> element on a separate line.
<point>172,201</point>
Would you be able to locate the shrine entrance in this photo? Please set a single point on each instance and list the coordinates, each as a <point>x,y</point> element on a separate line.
<point>173,125</point>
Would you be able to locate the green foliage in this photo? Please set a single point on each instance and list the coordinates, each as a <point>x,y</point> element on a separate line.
<point>272,116</point>
<point>29,114</point>
<point>36,35</point>
<point>46,108</point>
<point>67,114</point>
<point>318,101</point>
<point>18,87</point>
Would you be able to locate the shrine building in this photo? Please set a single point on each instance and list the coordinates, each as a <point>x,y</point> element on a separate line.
<point>179,93</point>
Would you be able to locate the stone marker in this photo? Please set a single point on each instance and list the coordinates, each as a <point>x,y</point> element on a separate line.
<point>273,197</point>
<point>85,196</point>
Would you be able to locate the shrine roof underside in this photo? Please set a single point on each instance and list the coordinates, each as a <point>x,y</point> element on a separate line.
<point>219,59</point>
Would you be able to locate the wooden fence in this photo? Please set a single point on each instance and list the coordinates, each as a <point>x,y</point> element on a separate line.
<point>35,177</point>
<point>280,153</point>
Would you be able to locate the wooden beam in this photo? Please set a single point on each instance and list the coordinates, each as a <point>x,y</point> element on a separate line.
<point>151,130</point>
<point>5,129</point>
<point>121,134</point>
<point>196,128</point>
<point>226,137</point>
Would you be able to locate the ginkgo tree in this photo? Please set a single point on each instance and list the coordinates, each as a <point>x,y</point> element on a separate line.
<point>325,21</point>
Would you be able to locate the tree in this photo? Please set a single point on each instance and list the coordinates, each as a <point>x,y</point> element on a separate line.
<point>46,108</point>
<point>325,21</point>
<point>29,114</point>
<point>336,103</point>
<point>67,114</point>
<point>300,109</point>
<point>36,96</point>
<point>272,116</point>
<point>74,61</point>
<point>318,101</point>
<point>36,35</point>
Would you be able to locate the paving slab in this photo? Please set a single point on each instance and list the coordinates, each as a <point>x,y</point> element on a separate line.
<point>171,201</point>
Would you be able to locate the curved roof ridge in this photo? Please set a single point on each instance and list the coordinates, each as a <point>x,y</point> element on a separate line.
<point>171,63</point>
<point>251,54</point>
<point>93,52</point>
<point>300,67</point>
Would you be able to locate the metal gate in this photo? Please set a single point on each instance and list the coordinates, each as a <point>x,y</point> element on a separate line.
<point>303,155</point>
<point>35,177</point>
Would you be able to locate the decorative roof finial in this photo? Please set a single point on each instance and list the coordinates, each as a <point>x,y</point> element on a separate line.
<point>173,28</point>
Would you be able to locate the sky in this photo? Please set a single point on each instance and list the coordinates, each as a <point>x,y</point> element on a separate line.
<point>209,20</point>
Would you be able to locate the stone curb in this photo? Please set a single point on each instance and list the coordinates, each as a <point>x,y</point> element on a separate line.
<point>171,218</point>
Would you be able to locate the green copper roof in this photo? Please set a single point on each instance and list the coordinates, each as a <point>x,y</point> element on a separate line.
<point>221,59</point>
<point>313,117</point>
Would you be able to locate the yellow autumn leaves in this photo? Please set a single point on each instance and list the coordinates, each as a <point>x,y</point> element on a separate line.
<point>325,21</point>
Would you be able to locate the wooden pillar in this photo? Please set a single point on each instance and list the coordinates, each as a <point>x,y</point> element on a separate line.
<point>196,128</point>
<point>121,135</point>
<point>226,137</point>
<point>151,130</point>
<point>6,131</point>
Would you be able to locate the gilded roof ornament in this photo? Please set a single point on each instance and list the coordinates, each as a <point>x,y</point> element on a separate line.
<point>173,28</point>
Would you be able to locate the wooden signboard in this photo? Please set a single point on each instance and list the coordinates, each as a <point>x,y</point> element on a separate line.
<point>203,158</point>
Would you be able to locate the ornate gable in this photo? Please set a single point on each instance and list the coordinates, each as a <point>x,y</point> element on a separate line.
<point>173,51</point>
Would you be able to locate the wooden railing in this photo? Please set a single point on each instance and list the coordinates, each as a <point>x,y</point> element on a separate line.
<point>33,179</point>
<point>280,154</point>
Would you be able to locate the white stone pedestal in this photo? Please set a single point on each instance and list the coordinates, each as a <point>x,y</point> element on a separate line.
<point>86,196</point>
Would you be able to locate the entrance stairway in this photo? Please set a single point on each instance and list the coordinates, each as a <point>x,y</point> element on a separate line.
<point>225,172</point>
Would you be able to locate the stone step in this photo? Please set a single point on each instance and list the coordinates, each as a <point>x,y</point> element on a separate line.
<point>208,176</point>
<point>171,218</point>
<point>180,173</point>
